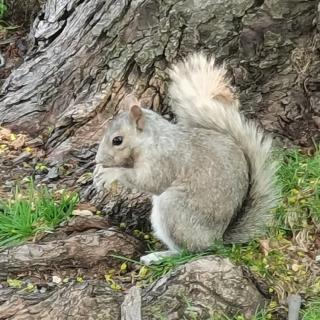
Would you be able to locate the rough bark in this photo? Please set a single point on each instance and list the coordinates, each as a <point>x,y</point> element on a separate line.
<point>131,306</point>
<point>197,290</point>
<point>87,54</point>
<point>89,301</point>
<point>200,290</point>
<point>68,250</point>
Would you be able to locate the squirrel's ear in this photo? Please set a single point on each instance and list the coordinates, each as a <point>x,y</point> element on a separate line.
<point>136,115</point>
<point>128,101</point>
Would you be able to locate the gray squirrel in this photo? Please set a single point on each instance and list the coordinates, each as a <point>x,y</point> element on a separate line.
<point>211,174</point>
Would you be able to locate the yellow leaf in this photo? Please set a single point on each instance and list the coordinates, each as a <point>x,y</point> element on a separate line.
<point>30,287</point>
<point>123,267</point>
<point>28,149</point>
<point>295,267</point>
<point>14,283</point>
<point>108,277</point>
<point>111,271</point>
<point>115,286</point>
<point>41,167</point>
<point>143,272</point>
<point>273,304</point>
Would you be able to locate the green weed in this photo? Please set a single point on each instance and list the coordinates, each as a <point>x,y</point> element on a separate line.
<point>3,9</point>
<point>312,311</point>
<point>34,211</point>
<point>299,178</point>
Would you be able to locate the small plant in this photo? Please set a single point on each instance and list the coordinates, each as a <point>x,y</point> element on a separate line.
<point>3,9</point>
<point>299,178</point>
<point>34,211</point>
<point>312,311</point>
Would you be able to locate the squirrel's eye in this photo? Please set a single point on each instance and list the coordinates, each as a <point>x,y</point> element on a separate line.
<point>116,141</point>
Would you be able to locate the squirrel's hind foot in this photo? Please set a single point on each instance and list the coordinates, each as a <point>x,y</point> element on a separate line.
<point>156,257</point>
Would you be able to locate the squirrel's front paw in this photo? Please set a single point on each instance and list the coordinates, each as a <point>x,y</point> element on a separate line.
<point>103,178</point>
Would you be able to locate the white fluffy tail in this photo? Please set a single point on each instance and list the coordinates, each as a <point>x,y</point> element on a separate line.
<point>202,97</point>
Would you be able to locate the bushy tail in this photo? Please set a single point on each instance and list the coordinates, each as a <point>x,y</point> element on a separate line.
<point>202,97</point>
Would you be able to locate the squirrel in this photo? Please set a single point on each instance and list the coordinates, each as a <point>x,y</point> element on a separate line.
<point>211,174</point>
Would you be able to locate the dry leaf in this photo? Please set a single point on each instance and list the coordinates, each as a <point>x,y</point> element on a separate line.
<point>265,246</point>
<point>295,267</point>
<point>82,213</point>
<point>56,279</point>
<point>19,142</point>
<point>5,134</point>
<point>86,206</point>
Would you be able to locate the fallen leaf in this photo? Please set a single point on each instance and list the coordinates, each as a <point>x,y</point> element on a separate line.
<point>14,283</point>
<point>265,246</point>
<point>295,267</point>
<point>86,206</point>
<point>56,279</point>
<point>123,267</point>
<point>82,213</point>
<point>143,272</point>
<point>30,287</point>
<point>28,149</point>
<point>5,134</point>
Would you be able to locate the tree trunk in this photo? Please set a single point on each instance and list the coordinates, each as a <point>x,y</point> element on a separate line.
<point>87,54</point>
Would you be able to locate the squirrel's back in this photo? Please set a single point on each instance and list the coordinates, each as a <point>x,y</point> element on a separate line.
<point>202,98</point>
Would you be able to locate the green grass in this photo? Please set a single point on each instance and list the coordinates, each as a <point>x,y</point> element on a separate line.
<point>299,178</point>
<point>3,9</point>
<point>312,312</point>
<point>32,212</point>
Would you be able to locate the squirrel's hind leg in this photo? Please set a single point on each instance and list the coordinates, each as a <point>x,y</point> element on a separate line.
<point>160,228</point>
<point>181,225</point>
<point>159,225</point>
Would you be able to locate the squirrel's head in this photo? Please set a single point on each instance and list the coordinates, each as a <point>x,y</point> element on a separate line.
<point>122,137</point>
